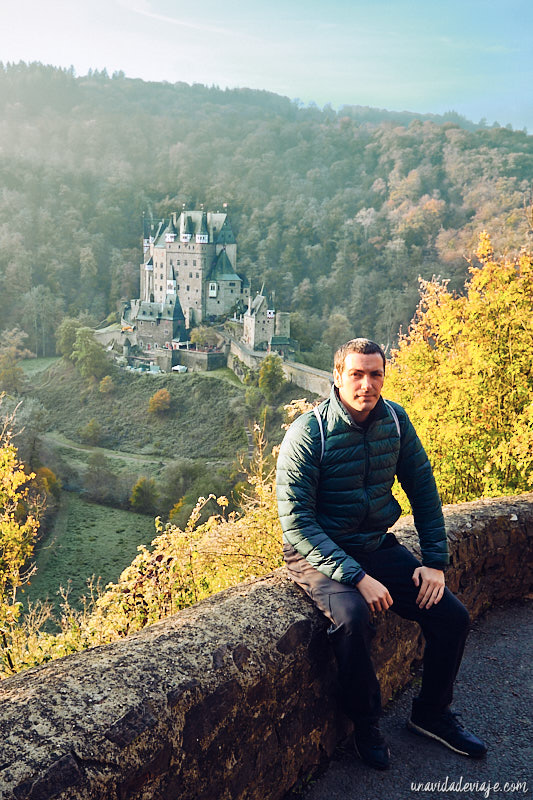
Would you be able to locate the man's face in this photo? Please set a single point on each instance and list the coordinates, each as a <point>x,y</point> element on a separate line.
<point>360,383</point>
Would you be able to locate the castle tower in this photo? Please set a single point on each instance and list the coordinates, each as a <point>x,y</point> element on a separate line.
<point>191,258</point>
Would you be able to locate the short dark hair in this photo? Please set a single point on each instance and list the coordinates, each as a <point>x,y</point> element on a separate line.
<point>364,346</point>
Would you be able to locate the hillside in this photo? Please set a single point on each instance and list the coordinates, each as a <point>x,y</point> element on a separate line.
<point>337,212</point>
<point>205,421</point>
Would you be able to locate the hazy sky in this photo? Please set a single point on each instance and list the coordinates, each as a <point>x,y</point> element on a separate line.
<point>472,56</point>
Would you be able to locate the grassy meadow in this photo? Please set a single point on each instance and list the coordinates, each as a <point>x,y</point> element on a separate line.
<point>86,539</point>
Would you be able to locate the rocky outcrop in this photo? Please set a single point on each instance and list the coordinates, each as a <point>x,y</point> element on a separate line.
<point>232,698</point>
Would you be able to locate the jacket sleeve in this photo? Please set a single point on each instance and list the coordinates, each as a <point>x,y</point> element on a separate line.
<point>417,480</point>
<point>297,481</point>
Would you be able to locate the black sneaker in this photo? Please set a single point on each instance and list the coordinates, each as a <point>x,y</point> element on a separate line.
<point>370,745</point>
<point>448,730</point>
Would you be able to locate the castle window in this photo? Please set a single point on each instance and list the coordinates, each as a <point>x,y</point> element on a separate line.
<point>197,275</point>
<point>194,264</point>
<point>188,287</point>
<point>232,283</point>
<point>190,274</point>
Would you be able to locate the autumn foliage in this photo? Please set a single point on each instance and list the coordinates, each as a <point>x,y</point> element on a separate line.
<point>159,402</point>
<point>463,372</point>
<point>18,529</point>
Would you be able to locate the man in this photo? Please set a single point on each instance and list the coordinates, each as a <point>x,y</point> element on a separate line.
<point>335,473</point>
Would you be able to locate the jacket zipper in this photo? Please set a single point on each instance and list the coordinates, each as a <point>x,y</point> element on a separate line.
<point>366,473</point>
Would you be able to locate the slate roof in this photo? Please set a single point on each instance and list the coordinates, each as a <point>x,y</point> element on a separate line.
<point>256,304</point>
<point>171,309</point>
<point>222,269</point>
<point>213,223</point>
<point>226,235</point>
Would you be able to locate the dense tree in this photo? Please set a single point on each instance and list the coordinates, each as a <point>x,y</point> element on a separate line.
<point>18,529</point>
<point>29,420</point>
<point>41,310</point>
<point>107,385</point>
<point>89,355</point>
<point>66,337</point>
<point>12,376</point>
<point>159,402</point>
<point>271,377</point>
<point>144,496</point>
<point>464,372</point>
<point>204,336</point>
<point>92,432</point>
<point>99,480</point>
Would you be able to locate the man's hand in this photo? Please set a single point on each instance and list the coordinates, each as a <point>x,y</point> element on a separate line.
<point>376,595</point>
<point>431,582</point>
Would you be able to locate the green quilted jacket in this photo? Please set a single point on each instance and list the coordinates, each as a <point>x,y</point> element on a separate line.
<point>335,505</point>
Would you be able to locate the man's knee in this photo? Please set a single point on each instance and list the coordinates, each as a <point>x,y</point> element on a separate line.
<point>451,617</point>
<point>350,613</point>
<point>461,617</point>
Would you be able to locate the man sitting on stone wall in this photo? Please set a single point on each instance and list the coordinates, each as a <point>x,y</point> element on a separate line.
<point>336,469</point>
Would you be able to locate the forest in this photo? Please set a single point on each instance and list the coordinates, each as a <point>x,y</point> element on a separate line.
<point>337,212</point>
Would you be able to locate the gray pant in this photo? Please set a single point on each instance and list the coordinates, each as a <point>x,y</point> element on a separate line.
<point>445,627</point>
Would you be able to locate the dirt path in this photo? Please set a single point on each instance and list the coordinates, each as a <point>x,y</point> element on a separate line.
<point>58,440</point>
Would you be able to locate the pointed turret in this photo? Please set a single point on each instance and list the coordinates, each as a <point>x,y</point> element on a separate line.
<point>202,233</point>
<point>170,232</point>
<point>186,229</point>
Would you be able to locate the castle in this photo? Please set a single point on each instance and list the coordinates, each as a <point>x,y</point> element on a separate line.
<point>188,276</point>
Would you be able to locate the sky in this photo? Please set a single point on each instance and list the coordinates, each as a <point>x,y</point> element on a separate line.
<point>427,56</point>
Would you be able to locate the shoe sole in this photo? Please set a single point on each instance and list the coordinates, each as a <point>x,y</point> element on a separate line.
<point>423,732</point>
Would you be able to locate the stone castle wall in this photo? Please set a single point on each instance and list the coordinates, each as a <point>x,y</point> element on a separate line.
<point>231,699</point>
<point>310,379</point>
<point>313,380</point>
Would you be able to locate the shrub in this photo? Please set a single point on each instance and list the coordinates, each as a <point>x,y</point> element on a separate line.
<point>159,402</point>
<point>91,433</point>
<point>144,496</point>
<point>106,385</point>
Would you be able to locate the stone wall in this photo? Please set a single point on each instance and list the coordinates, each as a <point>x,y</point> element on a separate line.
<point>252,358</point>
<point>309,379</point>
<point>313,380</point>
<point>198,360</point>
<point>231,699</point>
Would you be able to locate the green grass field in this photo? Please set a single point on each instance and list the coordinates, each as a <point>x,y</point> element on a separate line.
<point>87,539</point>
<point>33,366</point>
